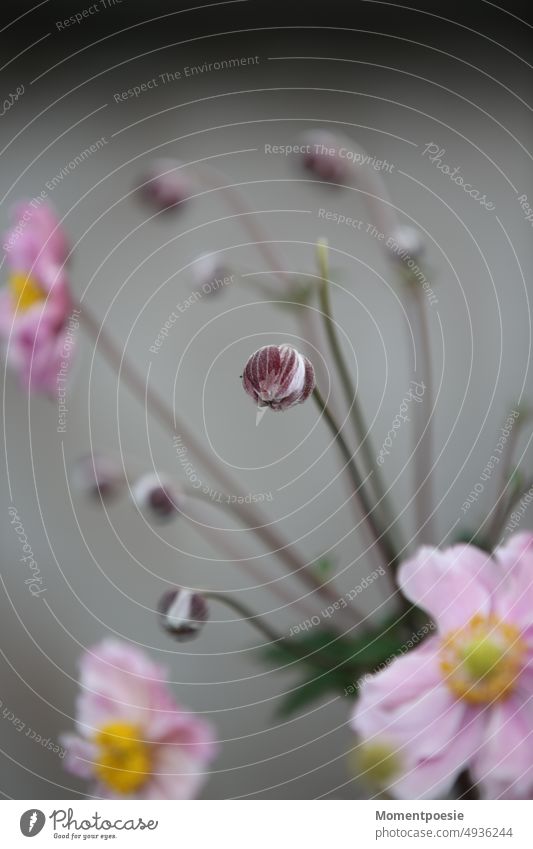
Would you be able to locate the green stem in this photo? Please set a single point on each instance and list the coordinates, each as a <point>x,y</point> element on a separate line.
<point>356,413</point>
<point>423,439</point>
<point>387,549</point>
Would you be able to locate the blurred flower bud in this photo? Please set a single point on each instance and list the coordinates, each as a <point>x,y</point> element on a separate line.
<point>376,762</point>
<point>156,498</point>
<point>210,274</point>
<point>183,613</point>
<point>165,185</point>
<point>323,159</point>
<point>278,376</point>
<point>406,242</point>
<point>97,476</point>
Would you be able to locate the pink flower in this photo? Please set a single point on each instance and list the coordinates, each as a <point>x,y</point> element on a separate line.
<point>134,741</point>
<point>36,230</point>
<point>278,376</point>
<point>35,305</point>
<point>464,698</point>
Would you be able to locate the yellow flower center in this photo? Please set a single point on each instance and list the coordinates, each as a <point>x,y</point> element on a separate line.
<point>481,662</point>
<point>124,761</point>
<point>25,291</point>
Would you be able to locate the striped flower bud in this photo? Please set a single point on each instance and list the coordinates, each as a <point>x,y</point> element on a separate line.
<point>165,185</point>
<point>183,613</point>
<point>156,498</point>
<point>278,376</point>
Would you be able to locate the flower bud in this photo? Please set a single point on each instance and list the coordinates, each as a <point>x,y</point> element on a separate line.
<point>165,185</point>
<point>278,376</point>
<point>156,498</point>
<point>376,762</point>
<point>323,159</point>
<point>210,274</point>
<point>406,243</point>
<point>183,613</point>
<point>97,476</point>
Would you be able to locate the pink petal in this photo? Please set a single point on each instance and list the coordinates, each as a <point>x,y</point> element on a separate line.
<point>433,777</point>
<point>409,705</point>
<point>514,597</point>
<point>503,764</point>
<point>451,585</point>
<point>81,755</point>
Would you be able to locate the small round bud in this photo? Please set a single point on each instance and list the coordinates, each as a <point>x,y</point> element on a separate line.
<point>322,157</point>
<point>210,274</point>
<point>406,243</point>
<point>278,376</point>
<point>165,185</point>
<point>183,613</point>
<point>156,498</point>
<point>97,476</point>
<point>376,762</point>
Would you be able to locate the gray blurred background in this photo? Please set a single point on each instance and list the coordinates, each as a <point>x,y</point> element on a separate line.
<point>402,80</point>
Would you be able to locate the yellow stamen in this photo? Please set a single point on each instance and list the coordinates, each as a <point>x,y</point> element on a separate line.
<point>25,291</point>
<point>481,662</point>
<point>124,761</point>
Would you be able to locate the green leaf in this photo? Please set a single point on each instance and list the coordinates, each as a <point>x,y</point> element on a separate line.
<point>333,664</point>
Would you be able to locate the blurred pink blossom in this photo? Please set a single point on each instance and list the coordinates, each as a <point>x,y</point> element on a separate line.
<point>133,740</point>
<point>164,185</point>
<point>463,699</point>
<point>35,305</point>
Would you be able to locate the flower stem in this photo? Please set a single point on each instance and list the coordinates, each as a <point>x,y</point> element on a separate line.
<point>356,413</point>
<point>292,647</point>
<point>388,551</point>
<point>249,516</point>
<point>423,438</point>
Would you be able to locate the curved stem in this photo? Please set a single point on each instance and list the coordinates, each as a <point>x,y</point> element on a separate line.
<point>389,553</point>
<point>356,413</point>
<point>248,515</point>
<point>311,657</point>
<point>243,610</point>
